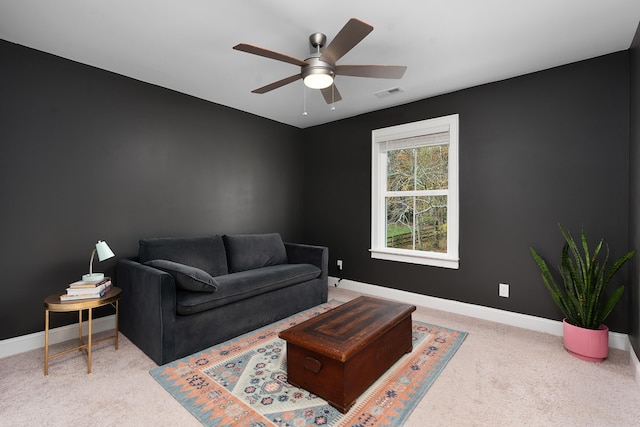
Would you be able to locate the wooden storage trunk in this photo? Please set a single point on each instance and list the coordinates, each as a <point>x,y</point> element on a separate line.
<point>339,354</point>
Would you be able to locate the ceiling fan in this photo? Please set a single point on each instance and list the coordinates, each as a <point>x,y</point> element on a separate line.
<point>319,70</point>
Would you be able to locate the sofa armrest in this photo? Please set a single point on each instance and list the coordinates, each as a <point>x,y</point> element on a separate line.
<point>298,253</point>
<point>147,308</point>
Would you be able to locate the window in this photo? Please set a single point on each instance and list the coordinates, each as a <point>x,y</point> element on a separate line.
<point>414,212</point>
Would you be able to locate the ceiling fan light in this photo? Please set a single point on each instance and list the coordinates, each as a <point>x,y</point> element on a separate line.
<point>318,81</point>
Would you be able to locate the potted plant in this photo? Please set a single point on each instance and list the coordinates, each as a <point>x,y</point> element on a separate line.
<point>582,298</point>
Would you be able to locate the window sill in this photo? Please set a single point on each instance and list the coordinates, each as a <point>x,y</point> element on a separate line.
<point>415,258</point>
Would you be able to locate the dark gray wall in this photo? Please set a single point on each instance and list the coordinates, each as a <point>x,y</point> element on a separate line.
<point>535,150</point>
<point>88,154</point>
<point>538,149</point>
<point>634,161</point>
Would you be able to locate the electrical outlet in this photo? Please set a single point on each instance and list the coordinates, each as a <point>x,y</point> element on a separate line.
<point>339,264</point>
<point>503,290</point>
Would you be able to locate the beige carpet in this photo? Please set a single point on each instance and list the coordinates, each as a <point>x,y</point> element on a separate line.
<point>500,376</point>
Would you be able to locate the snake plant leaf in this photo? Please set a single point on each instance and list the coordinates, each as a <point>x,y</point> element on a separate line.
<point>549,282</point>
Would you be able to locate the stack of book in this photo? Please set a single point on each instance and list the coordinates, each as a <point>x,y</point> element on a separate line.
<point>86,290</point>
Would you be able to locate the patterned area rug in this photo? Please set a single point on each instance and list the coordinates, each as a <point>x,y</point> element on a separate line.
<point>243,382</point>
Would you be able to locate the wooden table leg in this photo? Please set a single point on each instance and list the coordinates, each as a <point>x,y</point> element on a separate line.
<point>80,329</point>
<point>89,343</point>
<point>46,341</point>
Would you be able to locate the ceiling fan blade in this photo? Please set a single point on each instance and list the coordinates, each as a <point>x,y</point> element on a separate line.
<point>375,71</point>
<point>331,94</point>
<point>269,54</point>
<point>279,83</point>
<point>350,35</point>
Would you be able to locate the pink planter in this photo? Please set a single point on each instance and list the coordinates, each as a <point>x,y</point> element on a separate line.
<point>586,344</point>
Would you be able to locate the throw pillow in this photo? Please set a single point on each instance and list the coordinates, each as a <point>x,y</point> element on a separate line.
<point>249,251</point>
<point>206,253</point>
<point>186,277</point>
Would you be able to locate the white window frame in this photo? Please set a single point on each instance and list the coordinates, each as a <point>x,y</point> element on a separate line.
<point>379,249</point>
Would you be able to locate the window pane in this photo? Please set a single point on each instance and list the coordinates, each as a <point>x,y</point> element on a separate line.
<point>400,166</point>
<point>400,222</point>
<point>432,167</point>
<point>431,224</point>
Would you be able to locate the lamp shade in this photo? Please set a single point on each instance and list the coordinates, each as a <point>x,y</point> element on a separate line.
<point>104,252</point>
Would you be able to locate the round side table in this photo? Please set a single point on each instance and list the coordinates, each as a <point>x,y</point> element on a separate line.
<point>52,303</point>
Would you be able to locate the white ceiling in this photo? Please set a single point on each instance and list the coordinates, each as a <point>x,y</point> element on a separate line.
<point>186,45</point>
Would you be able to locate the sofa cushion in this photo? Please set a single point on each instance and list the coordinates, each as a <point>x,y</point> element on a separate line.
<point>186,277</point>
<point>249,251</point>
<point>237,286</point>
<point>206,253</point>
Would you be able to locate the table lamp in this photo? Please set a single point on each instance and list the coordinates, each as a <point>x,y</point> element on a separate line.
<point>104,252</point>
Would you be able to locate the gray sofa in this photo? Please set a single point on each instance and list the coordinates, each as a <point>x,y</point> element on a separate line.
<point>182,295</point>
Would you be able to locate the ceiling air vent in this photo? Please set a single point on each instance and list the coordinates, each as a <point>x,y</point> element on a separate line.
<point>389,92</point>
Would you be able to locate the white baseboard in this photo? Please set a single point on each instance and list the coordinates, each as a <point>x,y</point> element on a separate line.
<point>635,364</point>
<point>23,343</point>
<point>616,340</point>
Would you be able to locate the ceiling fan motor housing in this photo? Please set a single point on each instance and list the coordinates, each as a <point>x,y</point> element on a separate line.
<point>316,66</point>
